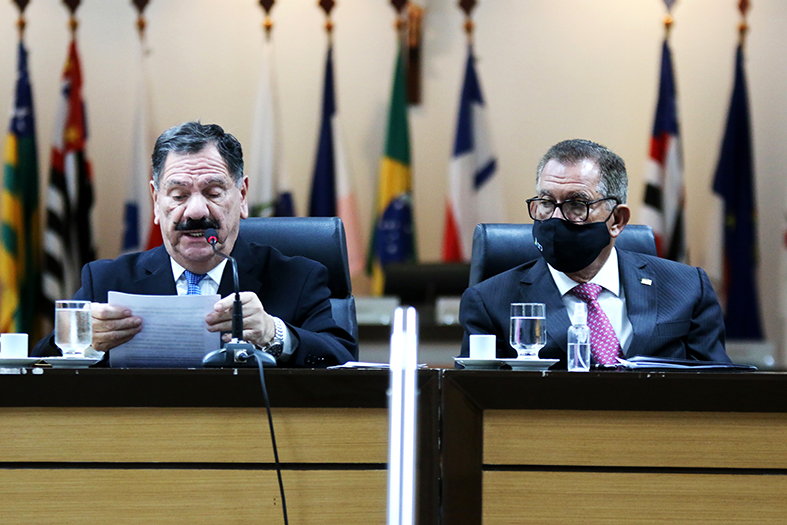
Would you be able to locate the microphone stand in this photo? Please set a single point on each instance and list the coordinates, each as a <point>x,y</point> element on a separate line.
<point>236,353</point>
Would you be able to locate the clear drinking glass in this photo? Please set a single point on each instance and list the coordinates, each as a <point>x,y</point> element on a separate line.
<point>73,327</point>
<point>528,329</point>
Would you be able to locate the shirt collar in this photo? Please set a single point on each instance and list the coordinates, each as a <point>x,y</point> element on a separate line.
<point>215,273</point>
<point>608,277</point>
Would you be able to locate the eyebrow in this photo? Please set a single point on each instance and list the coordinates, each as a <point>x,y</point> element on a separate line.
<point>571,196</point>
<point>179,183</point>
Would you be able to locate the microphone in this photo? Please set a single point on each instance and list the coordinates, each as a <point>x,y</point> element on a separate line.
<point>237,352</point>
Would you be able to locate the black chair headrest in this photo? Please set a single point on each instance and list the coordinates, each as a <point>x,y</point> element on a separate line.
<point>320,239</point>
<point>500,247</point>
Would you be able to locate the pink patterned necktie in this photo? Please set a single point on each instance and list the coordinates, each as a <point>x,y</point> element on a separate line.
<point>604,343</point>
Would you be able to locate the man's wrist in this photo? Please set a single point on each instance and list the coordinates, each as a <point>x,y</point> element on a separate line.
<point>276,345</point>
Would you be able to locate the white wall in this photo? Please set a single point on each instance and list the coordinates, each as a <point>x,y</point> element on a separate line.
<point>550,70</point>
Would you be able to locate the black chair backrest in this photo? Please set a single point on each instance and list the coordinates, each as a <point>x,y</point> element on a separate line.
<point>320,239</point>
<point>500,247</point>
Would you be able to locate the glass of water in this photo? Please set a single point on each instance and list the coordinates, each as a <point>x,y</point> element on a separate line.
<point>73,327</point>
<point>528,329</point>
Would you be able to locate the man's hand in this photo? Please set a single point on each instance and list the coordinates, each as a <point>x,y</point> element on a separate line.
<point>113,326</point>
<point>258,327</point>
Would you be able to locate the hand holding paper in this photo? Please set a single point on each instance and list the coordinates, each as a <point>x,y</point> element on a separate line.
<point>113,326</point>
<point>172,326</point>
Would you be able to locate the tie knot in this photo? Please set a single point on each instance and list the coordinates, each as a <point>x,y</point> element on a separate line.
<point>193,280</point>
<point>588,292</point>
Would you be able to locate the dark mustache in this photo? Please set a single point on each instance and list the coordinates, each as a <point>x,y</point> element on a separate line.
<point>197,224</point>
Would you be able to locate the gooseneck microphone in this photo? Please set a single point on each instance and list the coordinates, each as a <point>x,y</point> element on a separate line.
<point>237,352</point>
<point>237,307</point>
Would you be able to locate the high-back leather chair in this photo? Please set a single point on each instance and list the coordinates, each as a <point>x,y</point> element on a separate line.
<point>500,247</point>
<point>320,239</point>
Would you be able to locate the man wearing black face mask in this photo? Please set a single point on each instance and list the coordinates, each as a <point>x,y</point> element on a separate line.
<point>198,183</point>
<point>637,304</point>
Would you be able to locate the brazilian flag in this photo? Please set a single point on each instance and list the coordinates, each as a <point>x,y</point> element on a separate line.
<point>393,238</point>
<point>19,214</point>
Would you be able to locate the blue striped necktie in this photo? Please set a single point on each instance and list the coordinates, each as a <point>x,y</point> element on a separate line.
<point>193,279</point>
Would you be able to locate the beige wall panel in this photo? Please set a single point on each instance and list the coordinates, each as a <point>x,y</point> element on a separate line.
<point>619,438</point>
<point>190,496</point>
<point>604,498</point>
<point>330,435</point>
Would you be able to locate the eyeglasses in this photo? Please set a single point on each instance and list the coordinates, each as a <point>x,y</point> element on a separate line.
<point>572,210</point>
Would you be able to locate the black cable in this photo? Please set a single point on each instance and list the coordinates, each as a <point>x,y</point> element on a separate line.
<point>258,356</point>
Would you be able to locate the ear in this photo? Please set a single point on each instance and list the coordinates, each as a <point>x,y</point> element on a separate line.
<point>244,203</point>
<point>154,197</point>
<point>619,220</point>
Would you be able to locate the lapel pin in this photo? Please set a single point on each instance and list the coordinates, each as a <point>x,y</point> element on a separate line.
<point>646,282</point>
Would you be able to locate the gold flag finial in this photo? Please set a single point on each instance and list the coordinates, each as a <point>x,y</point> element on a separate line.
<point>21,23</point>
<point>743,27</point>
<point>327,6</point>
<point>267,24</point>
<point>668,18</point>
<point>141,22</point>
<point>72,6</point>
<point>467,6</point>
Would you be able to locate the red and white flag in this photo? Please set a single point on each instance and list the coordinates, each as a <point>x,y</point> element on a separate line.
<point>475,195</point>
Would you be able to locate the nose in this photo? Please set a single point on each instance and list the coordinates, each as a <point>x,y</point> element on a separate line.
<point>196,207</point>
<point>558,213</point>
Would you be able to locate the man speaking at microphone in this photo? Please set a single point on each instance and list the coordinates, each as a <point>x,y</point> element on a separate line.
<point>198,183</point>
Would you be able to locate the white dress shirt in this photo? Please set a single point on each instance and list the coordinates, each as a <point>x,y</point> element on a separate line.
<point>209,285</point>
<point>612,297</point>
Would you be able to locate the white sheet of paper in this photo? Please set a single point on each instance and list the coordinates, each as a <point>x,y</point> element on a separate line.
<point>169,322</point>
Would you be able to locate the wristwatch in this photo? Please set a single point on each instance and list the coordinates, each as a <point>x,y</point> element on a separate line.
<point>276,346</point>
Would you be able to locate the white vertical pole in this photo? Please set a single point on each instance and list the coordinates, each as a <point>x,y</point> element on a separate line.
<point>402,418</point>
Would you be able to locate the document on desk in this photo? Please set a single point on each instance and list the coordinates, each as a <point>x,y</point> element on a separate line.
<point>173,333</point>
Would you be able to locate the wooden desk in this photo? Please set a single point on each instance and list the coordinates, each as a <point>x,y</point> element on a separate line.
<point>609,447</point>
<point>193,446</point>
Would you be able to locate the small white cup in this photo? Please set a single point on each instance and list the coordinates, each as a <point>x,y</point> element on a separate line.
<point>483,346</point>
<point>13,346</point>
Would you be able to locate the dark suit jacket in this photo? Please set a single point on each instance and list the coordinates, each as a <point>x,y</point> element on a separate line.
<point>676,315</point>
<point>292,288</point>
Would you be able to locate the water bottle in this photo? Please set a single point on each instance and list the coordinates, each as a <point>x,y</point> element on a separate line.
<point>579,340</point>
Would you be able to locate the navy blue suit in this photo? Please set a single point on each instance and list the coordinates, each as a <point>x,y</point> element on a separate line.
<point>295,289</point>
<point>672,307</point>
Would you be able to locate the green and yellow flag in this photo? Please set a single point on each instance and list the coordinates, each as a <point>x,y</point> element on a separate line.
<point>19,223</point>
<point>393,238</point>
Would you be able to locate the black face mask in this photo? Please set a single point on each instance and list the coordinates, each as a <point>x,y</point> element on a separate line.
<point>569,247</point>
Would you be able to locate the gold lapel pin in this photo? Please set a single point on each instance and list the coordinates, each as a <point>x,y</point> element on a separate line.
<point>646,282</point>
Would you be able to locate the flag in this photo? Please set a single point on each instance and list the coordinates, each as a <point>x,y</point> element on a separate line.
<point>331,193</point>
<point>663,207</point>
<point>475,195</point>
<point>393,238</point>
<point>139,231</point>
<point>734,182</point>
<point>269,193</point>
<point>68,239</point>
<point>19,213</point>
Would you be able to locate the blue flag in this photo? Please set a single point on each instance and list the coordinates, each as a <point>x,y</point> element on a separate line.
<point>323,197</point>
<point>734,182</point>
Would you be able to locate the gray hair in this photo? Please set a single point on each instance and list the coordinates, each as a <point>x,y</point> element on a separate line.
<point>613,181</point>
<point>193,137</point>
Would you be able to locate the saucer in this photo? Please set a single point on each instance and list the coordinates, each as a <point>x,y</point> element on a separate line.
<point>71,362</point>
<point>18,362</point>
<point>515,364</point>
